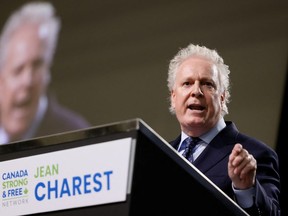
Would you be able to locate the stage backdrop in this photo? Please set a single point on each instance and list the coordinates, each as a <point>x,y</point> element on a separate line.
<point>112,58</point>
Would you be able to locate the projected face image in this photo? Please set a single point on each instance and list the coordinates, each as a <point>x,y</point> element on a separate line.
<point>23,79</point>
<point>28,107</point>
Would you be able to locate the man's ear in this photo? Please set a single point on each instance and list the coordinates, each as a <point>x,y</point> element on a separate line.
<point>47,78</point>
<point>223,95</point>
<point>172,98</point>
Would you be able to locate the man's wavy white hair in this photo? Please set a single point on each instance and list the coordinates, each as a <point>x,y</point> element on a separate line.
<point>213,56</point>
<point>38,13</point>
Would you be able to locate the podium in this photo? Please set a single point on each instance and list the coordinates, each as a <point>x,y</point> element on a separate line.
<point>123,168</point>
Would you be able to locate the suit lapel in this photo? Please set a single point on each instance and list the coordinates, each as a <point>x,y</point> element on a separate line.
<point>218,149</point>
<point>175,143</point>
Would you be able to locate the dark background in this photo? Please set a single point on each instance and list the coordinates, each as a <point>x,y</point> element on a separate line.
<point>112,58</point>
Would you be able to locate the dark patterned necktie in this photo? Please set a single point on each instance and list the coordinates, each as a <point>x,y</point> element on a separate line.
<point>189,145</point>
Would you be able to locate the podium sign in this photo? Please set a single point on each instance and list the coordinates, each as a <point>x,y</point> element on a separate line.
<point>119,169</point>
<point>82,176</point>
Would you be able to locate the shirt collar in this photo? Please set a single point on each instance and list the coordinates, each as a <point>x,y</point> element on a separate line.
<point>42,107</point>
<point>209,136</point>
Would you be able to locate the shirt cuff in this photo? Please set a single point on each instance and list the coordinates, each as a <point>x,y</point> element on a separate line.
<point>245,197</point>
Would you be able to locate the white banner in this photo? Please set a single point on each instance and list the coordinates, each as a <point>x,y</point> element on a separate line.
<point>83,176</point>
